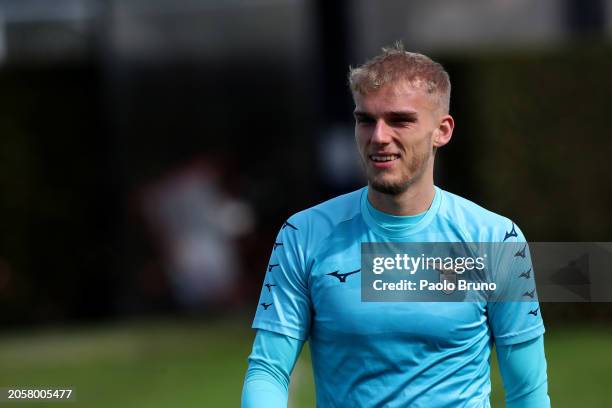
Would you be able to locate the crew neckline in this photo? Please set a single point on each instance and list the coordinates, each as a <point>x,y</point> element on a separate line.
<point>396,226</point>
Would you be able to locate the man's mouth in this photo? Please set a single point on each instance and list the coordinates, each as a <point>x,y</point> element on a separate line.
<point>383,158</point>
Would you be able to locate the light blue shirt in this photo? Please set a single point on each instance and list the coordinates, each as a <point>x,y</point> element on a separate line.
<point>387,354</point>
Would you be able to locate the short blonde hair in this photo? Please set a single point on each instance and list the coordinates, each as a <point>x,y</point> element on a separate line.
<point>395,65</point>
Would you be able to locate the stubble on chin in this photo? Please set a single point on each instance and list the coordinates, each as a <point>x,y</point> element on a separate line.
<point>390,188</point>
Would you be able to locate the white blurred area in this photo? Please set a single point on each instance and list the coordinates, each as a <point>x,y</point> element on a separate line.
<point>443,26</point>
<point>196,225</point>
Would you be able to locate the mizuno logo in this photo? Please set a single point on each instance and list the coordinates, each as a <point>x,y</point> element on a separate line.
<point>525,274</point>
<point>521,253</point>
<point>276,245</point>
<point>534,312</point>
<point>269,286</point>
<point>510,234</point>
<point>342,276</point>
<point>272,266</point>
<point>288,224</point>
<point>266,305</point>
<point>530,294</point>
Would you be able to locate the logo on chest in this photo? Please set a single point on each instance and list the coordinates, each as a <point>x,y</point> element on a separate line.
<point>342,276</point>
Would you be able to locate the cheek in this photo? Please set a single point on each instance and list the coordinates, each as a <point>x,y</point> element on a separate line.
<point>418,153</point>
<point>361,138</point>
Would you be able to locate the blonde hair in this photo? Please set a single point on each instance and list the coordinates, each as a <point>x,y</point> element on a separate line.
<point>395,65</point>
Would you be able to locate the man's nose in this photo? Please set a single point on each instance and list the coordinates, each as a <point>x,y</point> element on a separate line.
<point>381,133</point>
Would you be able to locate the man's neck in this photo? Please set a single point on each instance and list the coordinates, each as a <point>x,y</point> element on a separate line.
<point>415,200</point>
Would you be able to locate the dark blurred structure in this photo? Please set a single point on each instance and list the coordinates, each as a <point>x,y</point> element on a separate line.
<point>103,99</point>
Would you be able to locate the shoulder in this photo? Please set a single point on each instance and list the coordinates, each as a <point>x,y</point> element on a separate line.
<point>325,216</point>
<point>479,223</point>
<point>306,231</point>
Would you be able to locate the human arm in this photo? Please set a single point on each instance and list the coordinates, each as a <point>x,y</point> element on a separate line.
<point>523,371</point>
<point>517,326</point>
<point>282,321</point>
<point>271,362</point>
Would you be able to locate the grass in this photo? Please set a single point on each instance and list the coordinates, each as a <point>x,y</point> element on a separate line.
<point>202,364</point>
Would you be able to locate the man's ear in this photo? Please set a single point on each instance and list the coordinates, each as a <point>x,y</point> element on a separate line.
<point>444,132</point>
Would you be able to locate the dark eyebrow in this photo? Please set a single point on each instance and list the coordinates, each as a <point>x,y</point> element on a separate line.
<point>402,115</point>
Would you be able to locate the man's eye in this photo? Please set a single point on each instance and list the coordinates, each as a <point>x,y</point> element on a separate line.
<point>401,122</point>
<point>364,120</point>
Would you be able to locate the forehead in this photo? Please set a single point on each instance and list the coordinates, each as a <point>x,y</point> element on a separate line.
<point>395,97</point>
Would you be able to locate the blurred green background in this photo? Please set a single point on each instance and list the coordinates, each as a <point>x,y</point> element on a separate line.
<point>186,363</point>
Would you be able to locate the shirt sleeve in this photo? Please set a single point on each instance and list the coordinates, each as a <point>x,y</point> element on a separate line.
<point>523,370</point>
<point>271,362</point>
<point>514,314</point>
<point>284,304</point>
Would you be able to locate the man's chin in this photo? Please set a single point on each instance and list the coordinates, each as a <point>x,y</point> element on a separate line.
<point>390,188</point>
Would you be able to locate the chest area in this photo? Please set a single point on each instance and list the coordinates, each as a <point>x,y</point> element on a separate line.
<point>339,312</point>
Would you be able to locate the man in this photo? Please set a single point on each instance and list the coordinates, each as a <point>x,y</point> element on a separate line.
<point>380,354</point>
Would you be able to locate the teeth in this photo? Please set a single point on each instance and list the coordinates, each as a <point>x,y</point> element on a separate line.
<point>383,158</point>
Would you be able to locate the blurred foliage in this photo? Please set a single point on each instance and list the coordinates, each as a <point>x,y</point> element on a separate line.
<point>544,145</point>
<point>531,143</point>
<point>542,148</point>
<point>53,170</point>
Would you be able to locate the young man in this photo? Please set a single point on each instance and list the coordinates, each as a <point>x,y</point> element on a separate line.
<point>381,354</point>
